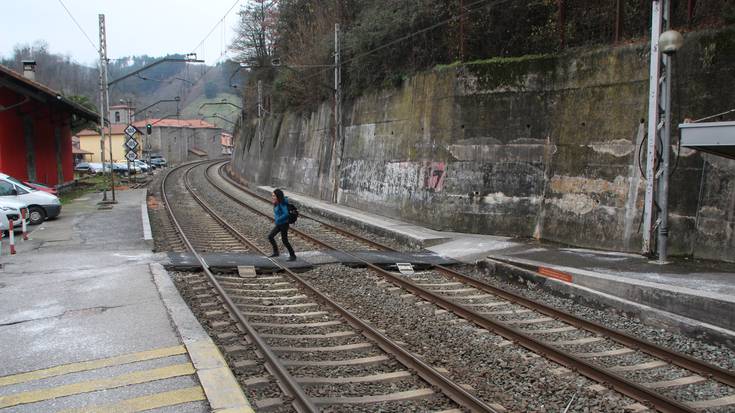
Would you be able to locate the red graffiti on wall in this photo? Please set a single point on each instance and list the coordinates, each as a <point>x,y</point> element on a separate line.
<point>434,175</point>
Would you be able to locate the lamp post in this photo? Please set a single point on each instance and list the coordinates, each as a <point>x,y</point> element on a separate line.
<point>669,43</point>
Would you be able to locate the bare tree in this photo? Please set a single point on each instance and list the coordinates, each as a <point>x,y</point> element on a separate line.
<point>256,32</point>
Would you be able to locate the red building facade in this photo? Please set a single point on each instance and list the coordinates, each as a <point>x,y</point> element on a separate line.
<point>35,130</point>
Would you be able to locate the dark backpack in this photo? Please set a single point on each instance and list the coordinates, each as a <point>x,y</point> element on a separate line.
<point>293,214</point>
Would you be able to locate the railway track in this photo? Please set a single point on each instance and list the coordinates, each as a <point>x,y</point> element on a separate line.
<point>319,354</point>
<point>653,375</point>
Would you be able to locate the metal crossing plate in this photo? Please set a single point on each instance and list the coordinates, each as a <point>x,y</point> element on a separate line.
<point>405,268</point>
<point>246,271</point>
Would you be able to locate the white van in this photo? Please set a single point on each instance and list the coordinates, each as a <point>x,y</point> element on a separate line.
<point>12,210</point>
<point>41,205</point>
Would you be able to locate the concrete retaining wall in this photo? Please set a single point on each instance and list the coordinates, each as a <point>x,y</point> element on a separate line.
<point>175,143</point>
<point>539,146</point>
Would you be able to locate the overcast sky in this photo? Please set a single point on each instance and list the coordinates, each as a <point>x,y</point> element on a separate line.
<point>134,27</point>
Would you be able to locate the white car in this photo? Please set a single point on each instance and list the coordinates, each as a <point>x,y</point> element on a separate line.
<point>12,210</point>
<point>90,167</point>
<point>41,205</point>
<point>123,167</point>
<point>144,167</point>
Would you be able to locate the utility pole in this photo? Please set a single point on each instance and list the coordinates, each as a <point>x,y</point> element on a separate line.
<point>461,31</point>
<point>260,114</point>
<point>102,112</point>
<point>659,128</point>
<point>664,107</point>
<point>105,92</point>
<point>653,124</point>
<point>338,145</point>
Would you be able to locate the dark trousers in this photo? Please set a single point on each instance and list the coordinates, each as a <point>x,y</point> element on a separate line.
<point>283,229</point>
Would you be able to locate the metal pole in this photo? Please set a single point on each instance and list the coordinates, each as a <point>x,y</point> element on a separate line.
<point>461,31</point>
<point>260,114</point>
<point>653,125</point>
<point>665,133</point>
<point>103,47</point>
<point>102,100</point>
<point>338,144</point>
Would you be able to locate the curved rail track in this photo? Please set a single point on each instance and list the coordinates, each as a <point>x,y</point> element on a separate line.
<point>593,350</point>
<point>311,329</point>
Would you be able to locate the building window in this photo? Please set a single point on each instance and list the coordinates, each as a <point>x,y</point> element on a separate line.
<point>117,117</point>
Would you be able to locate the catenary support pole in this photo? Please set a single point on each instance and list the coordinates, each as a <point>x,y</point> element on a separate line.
<point>106,107</point>
<point>653,125</point>
<point>665,134</point>
<point>260,114</point>
<point>338,144</point>
<point>102,107</point>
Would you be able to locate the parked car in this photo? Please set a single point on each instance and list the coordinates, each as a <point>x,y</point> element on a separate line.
<point>41,205</point>
<point>158,161</point>
<point>11,210</point>
<point>41,187</point>
<point>122,168</point>
<point>144,167</point>
<point>90,167</point>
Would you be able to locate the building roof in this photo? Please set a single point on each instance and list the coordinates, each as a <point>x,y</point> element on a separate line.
<point>175,123</point>
<point>42,93</point>
<point>117,129</point>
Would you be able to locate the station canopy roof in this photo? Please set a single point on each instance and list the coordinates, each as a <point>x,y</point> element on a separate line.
<point>717,138</point>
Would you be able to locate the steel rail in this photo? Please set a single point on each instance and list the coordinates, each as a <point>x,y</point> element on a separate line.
<point>301,401</point>
<point>672,357</point>
<point>619,383</point>
<point>684,361</point>
<point>451,389</point>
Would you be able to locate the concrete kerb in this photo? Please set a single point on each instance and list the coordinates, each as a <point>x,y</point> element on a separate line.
<point>222,389</point>
<point>596,299</point>
<point>704,306</point>
<point>147,231</point>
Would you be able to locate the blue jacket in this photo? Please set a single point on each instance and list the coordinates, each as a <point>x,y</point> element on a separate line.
<point>280,212</point>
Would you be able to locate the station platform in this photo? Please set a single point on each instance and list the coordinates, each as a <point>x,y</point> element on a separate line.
<point>689,296</point>
<point>91,321</point>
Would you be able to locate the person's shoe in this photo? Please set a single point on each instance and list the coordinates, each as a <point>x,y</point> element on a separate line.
<point>292,258</point>
<point>274,255</point>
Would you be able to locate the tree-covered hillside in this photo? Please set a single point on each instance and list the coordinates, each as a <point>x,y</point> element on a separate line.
<point>384,42</point>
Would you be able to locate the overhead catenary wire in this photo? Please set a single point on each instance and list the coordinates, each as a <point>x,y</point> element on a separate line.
<point>220,21</point>
<point>94,46</point>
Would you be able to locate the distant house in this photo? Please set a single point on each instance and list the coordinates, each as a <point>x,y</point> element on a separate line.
<point>79,154</point>
<point>89,140</point>
<point>121,114</point>
<point>36,128</point>
<point>180,140</point>
<point>227,145</point>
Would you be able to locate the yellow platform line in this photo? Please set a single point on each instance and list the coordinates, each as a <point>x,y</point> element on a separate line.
<point>92,365</point>
<point>95,385</point>
<point>139,404</point>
